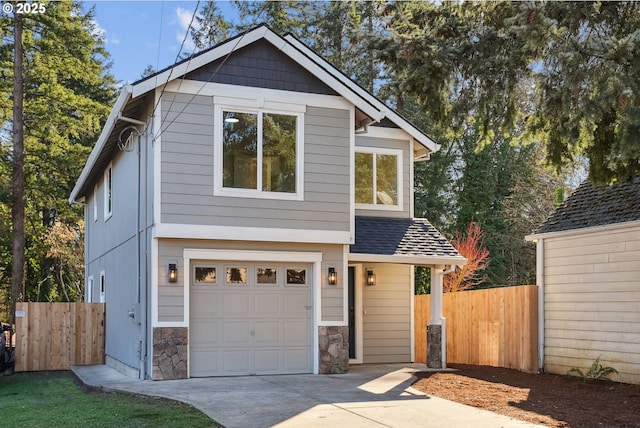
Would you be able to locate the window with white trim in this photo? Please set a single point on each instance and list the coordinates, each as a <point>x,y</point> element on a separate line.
<point>103,294</point>
<point>88,298</point>
<point>108,192</point>
<point>95,203</point>
<point>378,178</point>
<point>259,153</point>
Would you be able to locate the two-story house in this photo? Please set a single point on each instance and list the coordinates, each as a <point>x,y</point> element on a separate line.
<point>250,211</point>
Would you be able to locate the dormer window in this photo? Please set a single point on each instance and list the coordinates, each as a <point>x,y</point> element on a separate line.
<point>378,178</point>
<point>259,154</point>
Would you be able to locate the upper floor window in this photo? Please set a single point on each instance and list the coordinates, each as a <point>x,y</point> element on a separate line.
<point>378,178</point>
<point>260,154</point>
<point>108,192</point>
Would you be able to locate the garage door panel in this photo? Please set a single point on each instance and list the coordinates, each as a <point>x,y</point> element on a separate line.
<point>267,361</point>
<point>236,332</point>
<point>267,304</point>
<point>296,305</point>
<point>296,360</point>
<point>236,304</point>
<point>204,332</point>
<point>207,305</point>
<point>267,333</point>
<point>236,362</point>
<point>206,363</point>
<point>296,333</point>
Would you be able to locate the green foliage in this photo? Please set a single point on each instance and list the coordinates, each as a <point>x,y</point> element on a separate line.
<point>595,372</point>
<point>470,59</point>
<point>422,280</point>
<point>68,93</point>
<point>53,399</point>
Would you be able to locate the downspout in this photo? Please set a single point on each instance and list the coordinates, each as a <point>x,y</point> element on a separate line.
<point>540,283</point>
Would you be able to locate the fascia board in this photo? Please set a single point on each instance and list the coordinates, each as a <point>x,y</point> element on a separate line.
<point>366,96</point>
<point>409,260</point>
<point>122,101</point>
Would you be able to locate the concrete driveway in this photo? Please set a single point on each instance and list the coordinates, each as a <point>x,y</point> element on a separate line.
<point>368,396</point>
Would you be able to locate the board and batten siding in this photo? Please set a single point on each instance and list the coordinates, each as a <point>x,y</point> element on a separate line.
<point>187,172</point>
<point>404,146</point>
<point>171,295</point>
<point>592,301</point>
<point>386,311</point>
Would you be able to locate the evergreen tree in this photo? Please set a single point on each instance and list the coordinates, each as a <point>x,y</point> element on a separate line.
<point>68,92</point>
<point>211,27</point>
<point>464,59</point>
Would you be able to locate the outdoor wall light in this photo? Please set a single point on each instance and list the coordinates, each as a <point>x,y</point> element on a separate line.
<point>371,278</point>
<point>332,276</point>
<point>173,273</point>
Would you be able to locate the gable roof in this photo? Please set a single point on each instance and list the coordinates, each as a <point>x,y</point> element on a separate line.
<point>365,102</point>
<point>401,240</point>
<point>591,206</point>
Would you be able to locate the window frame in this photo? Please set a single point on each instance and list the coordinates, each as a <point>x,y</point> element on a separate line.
<point>290,110</point>
<point>399,178</point>
<point>108,192</point>
<point>95,203</point>
<point>103,286</point>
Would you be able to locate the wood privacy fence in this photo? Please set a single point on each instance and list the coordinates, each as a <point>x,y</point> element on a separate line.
<point>494,327</point>
<point>56,336</point>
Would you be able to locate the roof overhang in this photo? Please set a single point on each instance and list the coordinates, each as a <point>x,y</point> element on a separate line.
<point>534,237</point>
<point>116,112</point>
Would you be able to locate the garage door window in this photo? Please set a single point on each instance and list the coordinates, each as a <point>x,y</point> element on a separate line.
<point>237,275</point>
<point>267,276</point>
<point>297,277</point>
<point>205,275</point>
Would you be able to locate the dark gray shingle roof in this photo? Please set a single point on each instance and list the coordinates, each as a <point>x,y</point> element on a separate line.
<point>400,237</point>
<point>590,206</point>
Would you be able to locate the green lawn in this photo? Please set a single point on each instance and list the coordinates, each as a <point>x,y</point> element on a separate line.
<point>52,399</point>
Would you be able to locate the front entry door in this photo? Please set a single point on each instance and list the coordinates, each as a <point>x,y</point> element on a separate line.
<point>352,312</point>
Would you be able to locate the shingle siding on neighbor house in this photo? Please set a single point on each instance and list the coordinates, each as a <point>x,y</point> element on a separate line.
<point>591,248</point>
<point>188,172</point>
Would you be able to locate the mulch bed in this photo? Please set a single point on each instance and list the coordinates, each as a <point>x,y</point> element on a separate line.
<point>546,399</point>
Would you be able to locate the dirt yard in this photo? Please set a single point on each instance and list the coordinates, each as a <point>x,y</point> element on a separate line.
<point>546,399</point>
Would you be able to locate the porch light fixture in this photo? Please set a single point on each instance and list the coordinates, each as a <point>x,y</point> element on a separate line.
<point>371,278</point>
<point>173,273</point>
<point>332,276</point>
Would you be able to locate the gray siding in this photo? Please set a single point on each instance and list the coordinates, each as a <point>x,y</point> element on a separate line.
<point>171,296</point>
<point>261,65</point>
<point>404,145</point>
<point>111,246</point>
<point>188,173</point>
<point>386,320</point>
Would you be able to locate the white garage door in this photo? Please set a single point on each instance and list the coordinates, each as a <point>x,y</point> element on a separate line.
<point>250,318</point>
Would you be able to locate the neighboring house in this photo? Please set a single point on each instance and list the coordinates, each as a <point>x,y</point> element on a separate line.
<point>250,211</point>
<point>589,278</point>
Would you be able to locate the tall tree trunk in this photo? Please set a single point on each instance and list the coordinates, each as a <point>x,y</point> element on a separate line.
<point>18,202</point>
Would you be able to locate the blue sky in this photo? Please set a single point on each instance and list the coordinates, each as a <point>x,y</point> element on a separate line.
<point>141,33</point>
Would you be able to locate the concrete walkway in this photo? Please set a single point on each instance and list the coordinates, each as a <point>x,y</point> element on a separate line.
<point>368,396</point>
